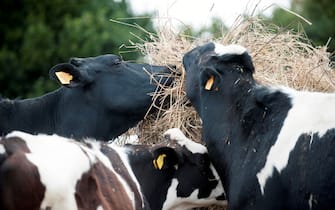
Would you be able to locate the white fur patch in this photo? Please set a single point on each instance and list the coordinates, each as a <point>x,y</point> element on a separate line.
<point>171,197</point>
<point>174,202</point>
<point>126,139</point>
<point>55,158</point>
<point>310,113</point>
<point>2,149</point>
<point>177,135</point>
<point>229,49</point>
<point>219,188</point>
<point>310,201</point>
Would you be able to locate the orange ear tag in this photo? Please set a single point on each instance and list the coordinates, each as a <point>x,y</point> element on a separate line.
<point>209,83</point>
<point>64,77</point>
<point>159,162</point>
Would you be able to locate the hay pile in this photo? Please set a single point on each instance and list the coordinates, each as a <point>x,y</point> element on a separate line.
<point>280,57</point>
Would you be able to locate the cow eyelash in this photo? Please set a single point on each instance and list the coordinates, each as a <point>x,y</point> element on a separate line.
<point>117,61</point>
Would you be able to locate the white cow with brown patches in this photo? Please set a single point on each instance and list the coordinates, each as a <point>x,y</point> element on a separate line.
<point>52,172</point>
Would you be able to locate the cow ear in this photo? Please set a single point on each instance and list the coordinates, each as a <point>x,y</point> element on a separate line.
<point>165,158</point>
<point>210,79</point>
<point>243,62</point>
<point>69,76</point>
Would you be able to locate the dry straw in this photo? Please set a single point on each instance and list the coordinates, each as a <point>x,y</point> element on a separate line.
<point>280,58</point>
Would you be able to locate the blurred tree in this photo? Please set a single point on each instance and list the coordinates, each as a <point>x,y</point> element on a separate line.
<point>321,14</point>
<point>215,30</point>
<point>35,35</point>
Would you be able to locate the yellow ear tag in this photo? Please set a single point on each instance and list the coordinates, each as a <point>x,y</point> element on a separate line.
<point>63,77</point>
<point>159,162</point>
<point>209,83</point>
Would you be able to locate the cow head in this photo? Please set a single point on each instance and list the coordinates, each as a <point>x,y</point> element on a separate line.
<point>193,181</point>
<point>121,85</point>
<point>216,69</point>
<point>116,93</point>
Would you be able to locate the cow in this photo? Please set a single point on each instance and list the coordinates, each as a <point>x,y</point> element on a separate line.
<point>58,173</point>
<point>100,97</point>
<point>273,146</point>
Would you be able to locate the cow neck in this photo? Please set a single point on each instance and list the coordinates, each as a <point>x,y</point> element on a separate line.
<point>225,115</point>
<point>153,182</point>
<point>235,135</point>
<point>223,124</point>
<point>30,115</point>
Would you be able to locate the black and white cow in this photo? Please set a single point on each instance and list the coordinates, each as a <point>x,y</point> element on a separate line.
<point>101,97</point>
<point>52,172</point>
<point>273,147</point>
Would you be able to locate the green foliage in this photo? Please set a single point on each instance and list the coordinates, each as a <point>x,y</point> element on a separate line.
<point>215,30</point>
<point>35,35</point>
<point>320,13</point>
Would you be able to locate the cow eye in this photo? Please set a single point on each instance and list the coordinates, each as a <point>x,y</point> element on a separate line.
<point>117,61</point>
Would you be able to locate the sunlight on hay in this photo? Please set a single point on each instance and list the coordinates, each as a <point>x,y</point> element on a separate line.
<point>284,58</point>
<point>280,58</point>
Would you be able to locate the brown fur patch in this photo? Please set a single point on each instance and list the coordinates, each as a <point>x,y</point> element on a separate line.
<point>121,169</point>
<point>21,188</point>
<point>101,187</point>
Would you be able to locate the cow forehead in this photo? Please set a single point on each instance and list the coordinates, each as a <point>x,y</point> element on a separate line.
<point>177,135</point>
<point>108,56</point>
<point>229,49</point>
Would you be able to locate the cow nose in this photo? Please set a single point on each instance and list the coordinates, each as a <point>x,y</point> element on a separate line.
<point>76,61</point>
